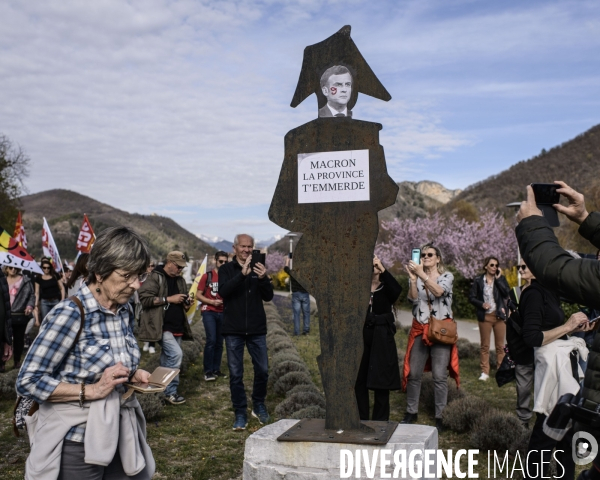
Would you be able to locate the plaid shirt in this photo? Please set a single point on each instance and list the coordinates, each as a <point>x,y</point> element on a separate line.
<point>105,339</point>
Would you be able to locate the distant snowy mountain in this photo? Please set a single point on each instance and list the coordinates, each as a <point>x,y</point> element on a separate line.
<point>218,242</point>
<point>268,242</point>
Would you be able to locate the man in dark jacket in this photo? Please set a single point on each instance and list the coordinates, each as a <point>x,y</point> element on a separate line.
<point>245,324</point>
<point>575,279</point>
<point>5,321</point>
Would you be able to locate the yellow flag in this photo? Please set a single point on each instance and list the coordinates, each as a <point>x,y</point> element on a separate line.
<point>194,289</point>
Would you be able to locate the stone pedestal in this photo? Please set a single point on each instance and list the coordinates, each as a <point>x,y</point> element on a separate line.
<point>267,459</point>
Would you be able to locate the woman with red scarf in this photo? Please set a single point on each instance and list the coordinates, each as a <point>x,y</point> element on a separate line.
<point>430,291</point>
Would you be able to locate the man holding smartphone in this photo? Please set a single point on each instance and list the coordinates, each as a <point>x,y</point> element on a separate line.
<point>165,301</point>
<point>243,290</point>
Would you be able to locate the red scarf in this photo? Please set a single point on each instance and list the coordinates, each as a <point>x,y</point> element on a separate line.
<point>422,329</point>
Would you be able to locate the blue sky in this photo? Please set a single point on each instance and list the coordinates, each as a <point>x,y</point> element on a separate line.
<point>180,107</point>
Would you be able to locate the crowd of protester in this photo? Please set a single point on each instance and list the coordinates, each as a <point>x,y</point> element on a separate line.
<point>86,349</point>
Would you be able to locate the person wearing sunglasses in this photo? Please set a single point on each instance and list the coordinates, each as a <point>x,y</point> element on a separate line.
<point>76,367</point>
<point>430,292</point>
<point>544,324</point>
<point>163,319</point>
<point>212,318</point>
<point>489,294</point>
<point>48,289</point>
<point>22,301</point>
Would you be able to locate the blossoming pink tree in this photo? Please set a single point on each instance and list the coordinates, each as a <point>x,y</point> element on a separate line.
<point>275,262</point>
<point>464,244</point>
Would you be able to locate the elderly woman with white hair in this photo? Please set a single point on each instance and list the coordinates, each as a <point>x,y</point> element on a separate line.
<point>76,367</point>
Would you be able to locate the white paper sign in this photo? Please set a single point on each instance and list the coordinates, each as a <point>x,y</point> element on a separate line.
<point>333,176</point>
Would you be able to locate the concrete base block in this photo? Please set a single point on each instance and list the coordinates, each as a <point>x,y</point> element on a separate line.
<point>267,459</point>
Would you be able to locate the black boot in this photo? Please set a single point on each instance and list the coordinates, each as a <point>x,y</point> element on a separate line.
<point>439,425</point>
<point>410,418</point>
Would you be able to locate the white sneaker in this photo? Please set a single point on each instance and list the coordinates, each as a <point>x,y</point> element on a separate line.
<point>146,345</point>
<point>484,376</point>
<point>151,350</point>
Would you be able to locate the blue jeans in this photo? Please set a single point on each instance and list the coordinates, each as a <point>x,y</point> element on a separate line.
<point>213,350</point>
<point>257,347</point>
<point>171,356</point>
<point>301,300</point>
<point>46,306</point>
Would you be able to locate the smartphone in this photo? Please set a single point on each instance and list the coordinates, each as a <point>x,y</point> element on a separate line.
<point>546,196</point>
<point>593,320</point>
<point>545,193</point>
<point>290,255</point>
<point>416,255</point>
<point>255,259</point>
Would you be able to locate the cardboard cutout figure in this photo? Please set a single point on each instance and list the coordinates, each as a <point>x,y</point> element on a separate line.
<point>333,181</point>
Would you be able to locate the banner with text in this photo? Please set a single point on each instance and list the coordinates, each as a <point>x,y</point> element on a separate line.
<point>86,237</point>
<point>49,247</point>
<point>14,255</point>
<point>333,176</point>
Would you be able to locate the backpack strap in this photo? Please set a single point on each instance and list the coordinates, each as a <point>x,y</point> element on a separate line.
<point>77,302</point>
<point>208,279</point>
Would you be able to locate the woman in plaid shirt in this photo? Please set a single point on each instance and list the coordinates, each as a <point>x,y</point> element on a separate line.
<point>59,370</point>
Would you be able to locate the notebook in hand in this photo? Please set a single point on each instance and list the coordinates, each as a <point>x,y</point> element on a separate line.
<point>158,381</point>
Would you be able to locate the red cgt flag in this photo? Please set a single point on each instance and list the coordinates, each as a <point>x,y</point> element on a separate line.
<point>19,234</point>
<point>86,237</point>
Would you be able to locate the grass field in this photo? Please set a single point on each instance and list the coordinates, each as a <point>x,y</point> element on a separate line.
<point>196,440</point>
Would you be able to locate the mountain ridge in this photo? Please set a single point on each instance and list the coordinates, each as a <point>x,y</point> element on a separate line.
<point>64,211</point>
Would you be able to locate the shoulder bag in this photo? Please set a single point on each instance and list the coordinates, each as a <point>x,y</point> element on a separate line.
<point>441,331</point>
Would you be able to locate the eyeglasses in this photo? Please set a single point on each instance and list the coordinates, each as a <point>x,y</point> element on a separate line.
<point>423,255</point>
<point>130,278</point>
<point>522,267</point>
<point>220,262</point>
<point>45,268</point>
<point>492,265</point>
<point>179,268</point>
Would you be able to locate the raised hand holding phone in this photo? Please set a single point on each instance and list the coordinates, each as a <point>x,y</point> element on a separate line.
<point>416,255</point>
<point>546,197</point>
<point>575,210</point>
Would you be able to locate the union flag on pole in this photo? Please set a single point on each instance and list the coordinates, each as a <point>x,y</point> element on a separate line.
<point>19,234</point>
<point>14,255</point>
<point>49,247</point>
<point>86,237</point>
